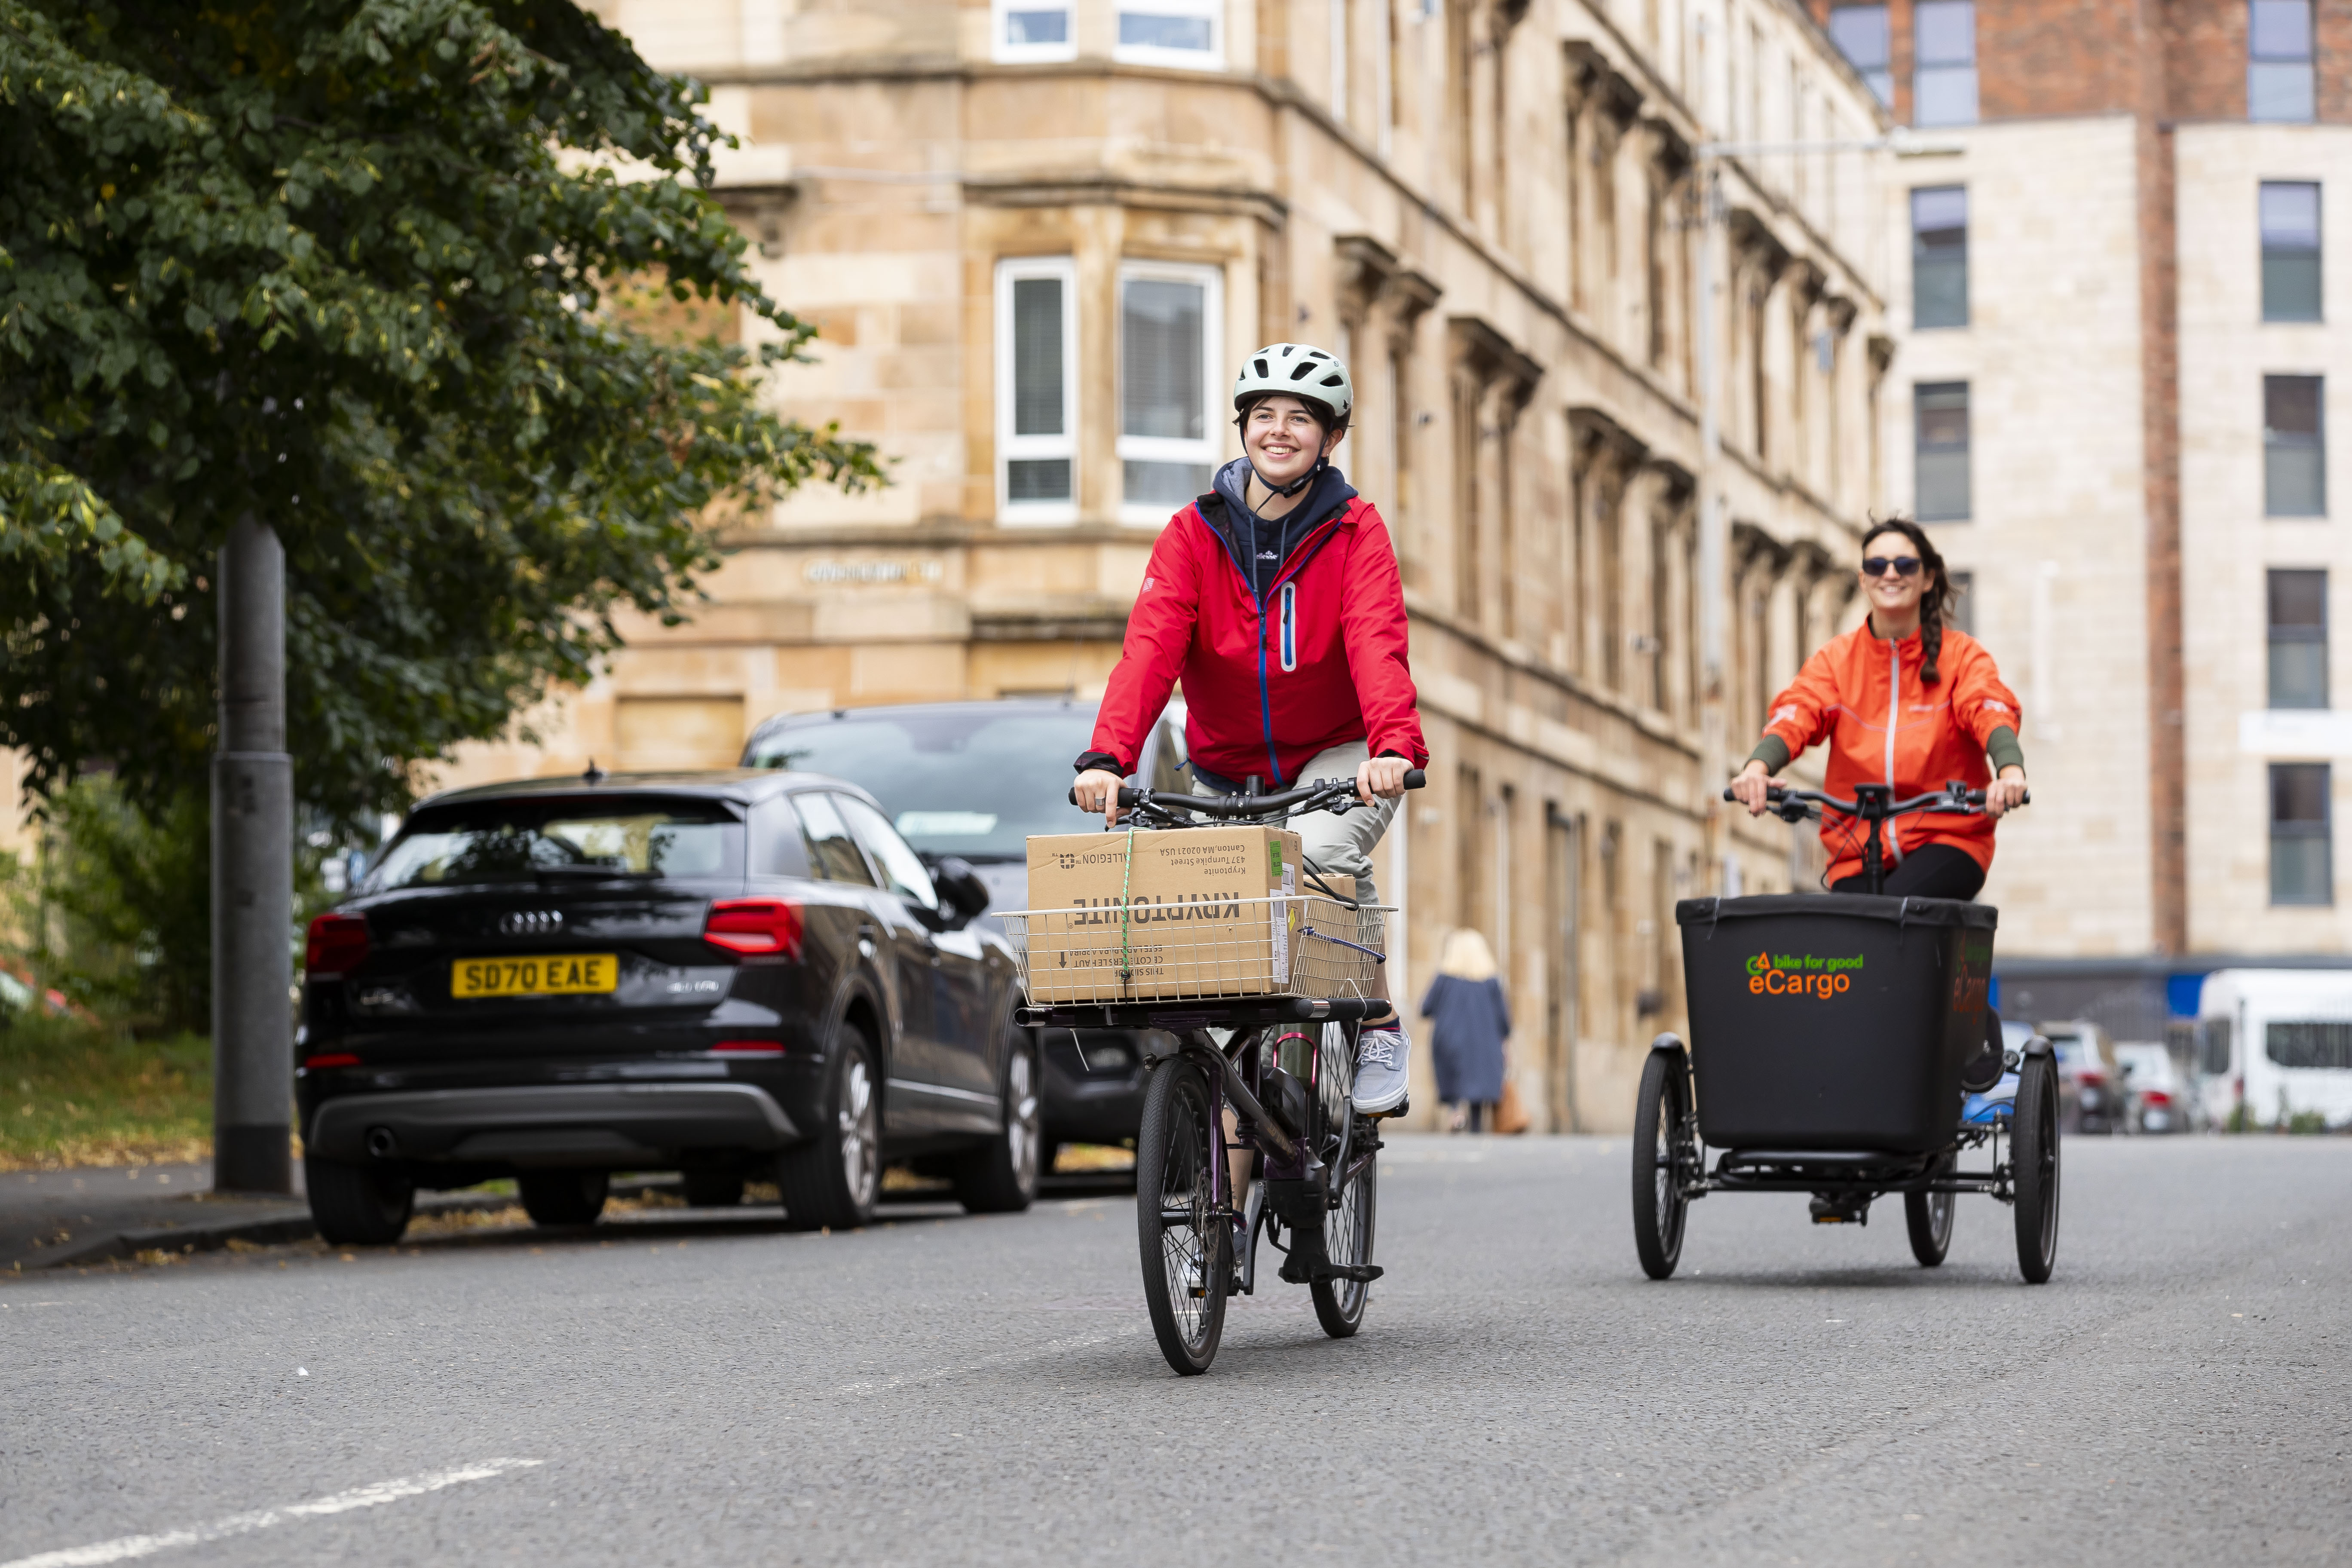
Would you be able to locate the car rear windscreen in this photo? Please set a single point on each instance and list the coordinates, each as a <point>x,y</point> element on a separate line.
<point>538,840</point>
<point>969,782</point>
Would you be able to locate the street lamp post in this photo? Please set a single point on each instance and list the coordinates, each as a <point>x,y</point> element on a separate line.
<point>253,872</point>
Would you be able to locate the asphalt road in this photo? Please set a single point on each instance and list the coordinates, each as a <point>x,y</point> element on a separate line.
<point>948,1390</point>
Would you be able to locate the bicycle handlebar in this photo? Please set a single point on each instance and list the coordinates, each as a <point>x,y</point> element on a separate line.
<point>1243,807</point>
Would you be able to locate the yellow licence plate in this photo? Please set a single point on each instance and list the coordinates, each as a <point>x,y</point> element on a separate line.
<point>550,974</point>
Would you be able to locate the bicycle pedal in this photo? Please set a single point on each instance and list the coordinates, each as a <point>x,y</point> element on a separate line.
<point>1401,1107</point>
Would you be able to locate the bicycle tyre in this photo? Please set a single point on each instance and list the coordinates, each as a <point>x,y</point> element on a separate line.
<point>1186,1247</point>
<point>1348,1224</point>
<point>1929,1217</point>
<point>2033,1161</point>
<point>1660,1207</point>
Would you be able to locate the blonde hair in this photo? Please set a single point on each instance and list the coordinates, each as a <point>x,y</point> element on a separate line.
<point>1467,955</point>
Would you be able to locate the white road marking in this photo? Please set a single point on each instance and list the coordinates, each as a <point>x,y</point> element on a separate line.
<point>373,1495</point>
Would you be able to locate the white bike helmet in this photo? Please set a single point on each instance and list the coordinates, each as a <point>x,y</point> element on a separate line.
<point>1299,370</point>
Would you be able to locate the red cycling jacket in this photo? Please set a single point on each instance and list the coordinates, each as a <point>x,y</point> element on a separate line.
<point>1885,725</point>
<point>1319,662</point>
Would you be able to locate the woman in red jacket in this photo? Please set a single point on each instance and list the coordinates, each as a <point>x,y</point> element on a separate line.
<point>1276,599</point>
<point>1906,701</point>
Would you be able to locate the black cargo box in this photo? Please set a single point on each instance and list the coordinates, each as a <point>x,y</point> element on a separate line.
<point>1833,1021</point>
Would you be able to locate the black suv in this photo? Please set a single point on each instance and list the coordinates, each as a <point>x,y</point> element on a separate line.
<point>729,975</point>
<point>971,781</point>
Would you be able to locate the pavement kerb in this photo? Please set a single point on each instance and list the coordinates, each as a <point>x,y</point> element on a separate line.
<point>293,1224</point>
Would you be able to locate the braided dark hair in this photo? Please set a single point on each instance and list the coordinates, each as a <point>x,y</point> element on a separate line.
<point>1935,596</point>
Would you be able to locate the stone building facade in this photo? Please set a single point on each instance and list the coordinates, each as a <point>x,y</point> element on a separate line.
<point>2110,395</point>
<point>1038,235</point>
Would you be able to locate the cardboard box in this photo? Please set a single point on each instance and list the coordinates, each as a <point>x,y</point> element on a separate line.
<point>1199,912</point>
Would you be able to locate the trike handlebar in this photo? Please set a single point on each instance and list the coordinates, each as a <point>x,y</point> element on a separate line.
<point>1872,803</point>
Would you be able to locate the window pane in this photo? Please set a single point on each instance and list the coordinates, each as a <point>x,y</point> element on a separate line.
<point>1037,356</point>
<point>1882,82</point>
<point>2298,599</point>
<point>2298,794</point>
<point>1037,479</point>
<point>2290,215</point>
<point>908,877</point>
<point>1939,257</point>
<point>1860,32</point>
<point>2291,406</point>
<point>2298,674</point>
<point>2279,30</point>
<point>2279,91</point>
<point>832,854</point>
<point>2308,1045</point>
<point>1945,95</point>
<point>2301,843</point>
<point>1159,350</point>
<point>1946,32</point>
<point>1037,27</point>
<point>2295,457</point>
<point>1168,484</point>
<point>1941,416</point>
<point>1144,29</point>
<point>2290,287</point>
<point>2295,483</point>
<point>2299,871</point>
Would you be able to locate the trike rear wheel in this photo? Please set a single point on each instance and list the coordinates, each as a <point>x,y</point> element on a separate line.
<point>2033,1160</point>
<point>1929,1217</point>
<point>1661,1136</point>
<point>1186,1242</point>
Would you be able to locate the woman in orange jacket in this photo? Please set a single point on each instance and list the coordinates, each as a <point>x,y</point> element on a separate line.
<point>1906,701</point>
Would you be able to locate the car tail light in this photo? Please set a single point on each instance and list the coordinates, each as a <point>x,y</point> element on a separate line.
<point>2156,1097</point>
<point>748,1048</point>
<point>2092,1080</point>
<point>760,928</point>
<point>329,1060</point>
<point>337,945</point>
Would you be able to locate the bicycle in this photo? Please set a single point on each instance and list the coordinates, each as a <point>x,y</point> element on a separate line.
<point>1285,1066</point>
<point>1829,1076</point>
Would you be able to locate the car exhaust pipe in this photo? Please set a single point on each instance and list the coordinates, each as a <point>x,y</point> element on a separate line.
<point>381,1142</point>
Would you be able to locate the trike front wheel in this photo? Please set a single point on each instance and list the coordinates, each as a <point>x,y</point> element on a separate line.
<point>1660,1135</point>
<point>2033,1161</point>
<point>1929,1217</point>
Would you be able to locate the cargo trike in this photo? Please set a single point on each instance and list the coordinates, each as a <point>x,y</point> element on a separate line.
<point>1836,1040</point>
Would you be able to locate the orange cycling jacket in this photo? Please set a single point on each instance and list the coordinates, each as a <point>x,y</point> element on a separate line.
<point>1862,695</point>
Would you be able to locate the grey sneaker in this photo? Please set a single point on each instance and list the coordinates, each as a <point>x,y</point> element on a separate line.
<point>1382,1055</point>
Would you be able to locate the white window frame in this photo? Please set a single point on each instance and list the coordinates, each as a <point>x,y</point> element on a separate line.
<point>1209,448</point>
<point>1009,447</point>
<point>1000,14</point>
<point>1211,58</point>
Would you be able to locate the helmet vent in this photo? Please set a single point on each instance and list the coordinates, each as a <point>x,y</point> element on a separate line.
<point>1305,370</point>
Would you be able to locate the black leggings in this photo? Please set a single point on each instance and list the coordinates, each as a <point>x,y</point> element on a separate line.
<point>1930,871</point>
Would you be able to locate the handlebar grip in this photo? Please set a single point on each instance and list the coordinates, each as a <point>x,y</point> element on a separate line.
<point>1126,797</point>
<point>1415,779</point>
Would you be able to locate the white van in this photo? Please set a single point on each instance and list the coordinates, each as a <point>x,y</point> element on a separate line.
<point>2277,1041</point>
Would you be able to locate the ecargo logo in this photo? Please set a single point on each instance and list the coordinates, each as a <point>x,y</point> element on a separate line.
<point>1801,974</point>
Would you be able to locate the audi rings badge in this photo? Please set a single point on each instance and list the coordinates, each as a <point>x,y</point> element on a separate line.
<point>531,923</point>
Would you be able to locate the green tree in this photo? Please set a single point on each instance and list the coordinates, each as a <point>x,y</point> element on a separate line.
<point>346,265</point>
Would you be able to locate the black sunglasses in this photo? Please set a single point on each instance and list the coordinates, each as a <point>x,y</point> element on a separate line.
<point>1876,565</point>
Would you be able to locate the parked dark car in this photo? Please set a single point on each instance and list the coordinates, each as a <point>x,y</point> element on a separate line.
<point>974,780</point>
<point>731,975</point>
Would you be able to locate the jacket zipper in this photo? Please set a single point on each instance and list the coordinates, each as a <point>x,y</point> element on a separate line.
<point>1893,713</point>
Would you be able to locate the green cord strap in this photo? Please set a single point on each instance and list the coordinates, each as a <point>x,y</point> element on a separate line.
<point>1126,882</point>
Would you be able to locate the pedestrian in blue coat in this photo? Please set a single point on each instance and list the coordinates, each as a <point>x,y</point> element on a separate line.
<point>1469,1021</point>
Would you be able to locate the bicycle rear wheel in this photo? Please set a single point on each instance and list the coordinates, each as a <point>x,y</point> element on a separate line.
<point>1187,1245</point>
<point>1342,1140</point>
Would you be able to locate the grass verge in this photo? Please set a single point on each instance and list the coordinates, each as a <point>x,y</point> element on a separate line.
<point>72,1093</point>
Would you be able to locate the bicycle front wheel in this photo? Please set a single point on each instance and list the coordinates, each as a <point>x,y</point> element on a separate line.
<point>1349,1147</point>
<point>1186,1243</point>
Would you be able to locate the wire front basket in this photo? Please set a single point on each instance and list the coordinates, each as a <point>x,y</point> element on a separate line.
<point>1286,945</point>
